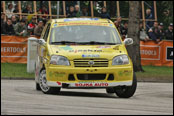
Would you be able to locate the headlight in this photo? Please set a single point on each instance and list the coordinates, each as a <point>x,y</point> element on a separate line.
<point>120,60</point>
<point>59,60</point>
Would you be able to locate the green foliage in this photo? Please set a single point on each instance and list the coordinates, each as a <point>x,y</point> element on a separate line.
<point>15,70</point>
<point>165,12</point>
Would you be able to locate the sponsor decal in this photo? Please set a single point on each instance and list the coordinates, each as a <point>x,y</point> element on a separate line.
<point>88,50</point>
<point>66,48</point>
<point>14,49</point>
<point>59,83</point>
<point>125,73</point>
<point>103,84</point>
<point>59,74</point>
<point>80,19</point>
<point>90,55</point>
<point>103,46</point>
<point>116,48</point>
<point>84,23</point>
<point>169,53</point>
<point>150,52</point>
<point>56,74</point>
<point>55,25</point>
<point>120,73</point>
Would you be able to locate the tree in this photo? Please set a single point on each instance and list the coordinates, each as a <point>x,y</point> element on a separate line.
<point>133,32</point>
<point>165,12</point>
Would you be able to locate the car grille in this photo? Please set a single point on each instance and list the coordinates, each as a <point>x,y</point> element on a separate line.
<point>85,63</point>
<point>91,76</point>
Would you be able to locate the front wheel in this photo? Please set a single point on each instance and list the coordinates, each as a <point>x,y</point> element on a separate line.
<point>38,87</point>
<point>126,91</point>
<point>110,90</point>
<point>43,84</point>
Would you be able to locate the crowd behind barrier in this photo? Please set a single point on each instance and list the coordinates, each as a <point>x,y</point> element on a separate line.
<point>14,50</point>
<point>33,25</point>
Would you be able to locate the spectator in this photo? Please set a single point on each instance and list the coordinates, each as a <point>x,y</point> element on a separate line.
<point>20,28</point>
<point>162,32</point>
<point>32,25</point>
<point>16,10</point>
<point>2,10</point>
<point>2,23</point>
<point>154,33</point>
<point>9,10</point>
<point>117,26</point>
<point>77,11</point>
<point>44,11</point>
<point>104,13</point>
<point>2,17</point>
<point>84,11</point>
<point>119,19</point>
<point>169,32</point>
<point>8,27</point>
<point>118,23</point>
<point>14,20</point>
<point>25,19</point>
<point>28,9</point>
<point>143,35</point>
<point>124,30</point>
<point>149,15</point>
<point>71,12</point>
<point>39,28</point>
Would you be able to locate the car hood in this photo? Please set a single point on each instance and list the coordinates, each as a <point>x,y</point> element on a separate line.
<point>87,51</point>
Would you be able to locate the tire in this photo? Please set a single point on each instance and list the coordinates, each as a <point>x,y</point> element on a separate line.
<point>43,85</point>
<point>110,90</point>
<point>38,87</point>
<point>126,91</point>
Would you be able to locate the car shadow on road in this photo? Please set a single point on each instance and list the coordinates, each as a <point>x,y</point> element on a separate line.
<point>86,94</point>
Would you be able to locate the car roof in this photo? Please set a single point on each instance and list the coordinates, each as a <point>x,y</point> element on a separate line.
<point>81,19</point>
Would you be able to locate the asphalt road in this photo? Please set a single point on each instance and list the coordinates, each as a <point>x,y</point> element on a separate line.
<point>20,97</point>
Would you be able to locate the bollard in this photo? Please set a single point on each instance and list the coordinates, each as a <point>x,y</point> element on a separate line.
<point>31,54</point>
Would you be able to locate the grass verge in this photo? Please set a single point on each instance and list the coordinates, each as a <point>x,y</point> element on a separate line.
<point>156,73</point>
<point>152,73</point>
<point>15,70</point>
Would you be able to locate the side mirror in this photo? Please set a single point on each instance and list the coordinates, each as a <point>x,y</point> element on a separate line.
<point>41,41</point>
<point>128,41</point>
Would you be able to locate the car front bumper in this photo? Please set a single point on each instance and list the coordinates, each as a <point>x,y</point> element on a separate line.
<point>59,76</point>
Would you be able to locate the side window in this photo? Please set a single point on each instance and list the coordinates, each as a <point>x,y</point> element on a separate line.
<point>46,32</point>
<point>43,31</point>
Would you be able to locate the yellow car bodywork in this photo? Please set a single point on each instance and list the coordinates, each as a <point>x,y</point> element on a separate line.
<point>79,56</point>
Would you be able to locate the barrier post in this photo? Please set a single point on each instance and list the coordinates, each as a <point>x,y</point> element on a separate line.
<point>118,9</point>
<point>31,54</point>
<point>92,9</point>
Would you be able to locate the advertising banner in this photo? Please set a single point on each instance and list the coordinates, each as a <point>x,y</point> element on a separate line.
<point>13,49</point>
<point>157,54</point>
<point>167,58</point>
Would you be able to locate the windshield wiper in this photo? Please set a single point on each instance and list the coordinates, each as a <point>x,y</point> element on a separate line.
<point>63,42</point>
<point>95,42</point>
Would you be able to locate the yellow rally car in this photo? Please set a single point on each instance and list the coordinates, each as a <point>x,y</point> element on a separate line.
<point>84,53</point>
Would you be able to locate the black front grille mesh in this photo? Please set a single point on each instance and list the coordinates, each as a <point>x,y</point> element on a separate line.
<point>91,76</point>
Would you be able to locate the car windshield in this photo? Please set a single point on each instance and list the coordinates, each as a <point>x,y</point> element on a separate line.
<point>84,34</point>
